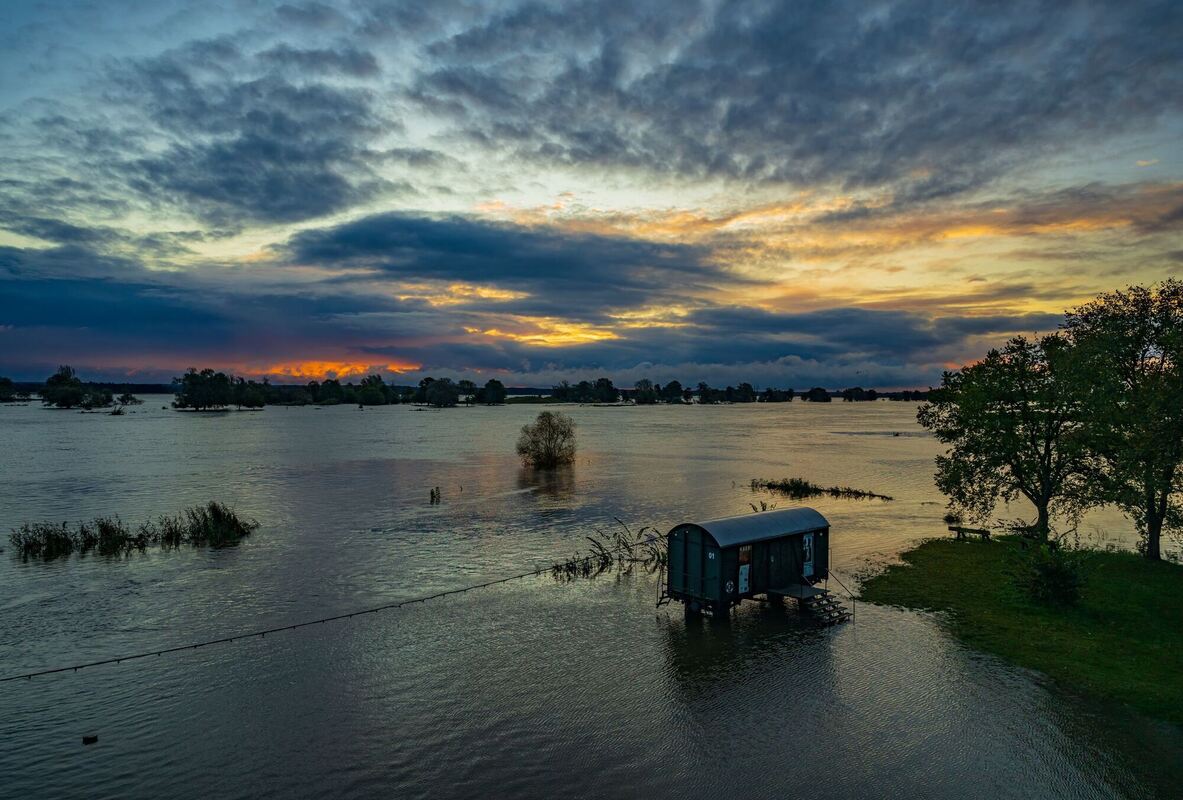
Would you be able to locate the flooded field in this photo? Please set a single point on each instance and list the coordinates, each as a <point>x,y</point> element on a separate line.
<point>530,688</point>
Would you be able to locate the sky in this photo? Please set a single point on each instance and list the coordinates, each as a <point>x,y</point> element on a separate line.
<point>786,193</point>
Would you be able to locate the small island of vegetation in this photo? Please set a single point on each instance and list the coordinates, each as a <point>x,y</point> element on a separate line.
<point>213,525</point>
<point>548,442</point>
<point>799,489</point>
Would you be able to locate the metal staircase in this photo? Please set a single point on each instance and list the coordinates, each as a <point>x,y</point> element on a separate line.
<point>826,609</point>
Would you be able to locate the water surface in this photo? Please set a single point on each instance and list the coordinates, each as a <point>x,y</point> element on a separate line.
<point>532,688</point>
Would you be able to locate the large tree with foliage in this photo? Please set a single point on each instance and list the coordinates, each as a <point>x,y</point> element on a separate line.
<point>493,393</point>
<point>549,442</point>
<point>644,393</point>
<point>468,390</point>
<point>1012,423</point>
<point>64,389</point>
<point>1129,365</point>
<point>203,390</point>
<point>372,391</point>
<point>442,393</point>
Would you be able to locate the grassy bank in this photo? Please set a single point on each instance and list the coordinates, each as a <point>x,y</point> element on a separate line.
<point>1123,642</point>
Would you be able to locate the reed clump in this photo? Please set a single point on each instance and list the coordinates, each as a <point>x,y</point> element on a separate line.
<point>799,488</point>
<point>212,525</point>
<point>616,550</point>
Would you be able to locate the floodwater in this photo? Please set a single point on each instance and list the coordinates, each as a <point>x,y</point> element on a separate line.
<point>532,688</point>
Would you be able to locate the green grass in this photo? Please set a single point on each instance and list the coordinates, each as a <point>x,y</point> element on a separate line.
<point>1122,642</point>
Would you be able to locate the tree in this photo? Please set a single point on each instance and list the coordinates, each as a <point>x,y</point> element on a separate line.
<point>129,399</point>
<point>203,390</point>
<point>372,391</point>
<point>771,395</point>
<point>672,392</point>
<point>605,392</point>
<point>493,393</point>
<point>548,442</point>
<point>7,390</point>
<point>248,394</point>
<point>706,394</point>
<point>442,393</point>
<point>63,389</point>
<point>745,394</point>
<point>330,393</point>
<point>1129,369</point>
<point>1012,424</point>
<point>469,390</point>
<point>817,395</point>
<point>644,393</point>
<point>858,394</point>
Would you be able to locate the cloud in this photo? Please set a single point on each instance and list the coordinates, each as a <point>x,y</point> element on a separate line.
<point>576,276</point>
<point>345,60</point>
<point>931,97</point>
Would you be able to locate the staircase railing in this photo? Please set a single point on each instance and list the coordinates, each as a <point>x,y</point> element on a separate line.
<point>849,594</point>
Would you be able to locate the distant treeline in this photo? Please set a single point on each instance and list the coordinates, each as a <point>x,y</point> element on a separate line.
<point>208,389</point>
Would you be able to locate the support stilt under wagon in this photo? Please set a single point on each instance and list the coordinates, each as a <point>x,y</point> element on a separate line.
<point>717,564</point>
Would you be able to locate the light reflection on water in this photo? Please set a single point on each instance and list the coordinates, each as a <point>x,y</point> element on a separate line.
<point>533,688</point>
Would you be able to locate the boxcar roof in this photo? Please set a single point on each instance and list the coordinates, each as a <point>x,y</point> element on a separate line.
<point>747,528</point>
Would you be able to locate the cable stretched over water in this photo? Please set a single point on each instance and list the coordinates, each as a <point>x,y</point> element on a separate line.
<point>305,624</point>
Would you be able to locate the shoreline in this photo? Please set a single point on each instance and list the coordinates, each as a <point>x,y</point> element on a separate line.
<point>1121,643</point>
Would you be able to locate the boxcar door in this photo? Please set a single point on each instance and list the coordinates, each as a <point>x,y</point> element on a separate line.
<point>760,567</point>
<point>807,555</point>
<point>745,569</point>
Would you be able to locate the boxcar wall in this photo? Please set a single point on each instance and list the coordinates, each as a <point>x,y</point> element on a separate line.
<point>701,570</point>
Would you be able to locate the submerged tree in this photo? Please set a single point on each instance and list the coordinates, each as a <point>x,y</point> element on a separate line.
<point>203,390</point>
<point>1129,369</point>
<point>442,393</point>
<point>1013,426</point>
<point>492,393</point>
<point>372,391</point>
<point>644,392</point>
<point>63,389</point>
<point>468,390</point>
<point>548,442</point>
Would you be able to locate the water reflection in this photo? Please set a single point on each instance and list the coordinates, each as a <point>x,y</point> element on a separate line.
<point>556,485</point>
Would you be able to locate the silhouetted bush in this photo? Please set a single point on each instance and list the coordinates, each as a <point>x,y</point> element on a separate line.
<point>548,442</point>
<point>1052,575</point>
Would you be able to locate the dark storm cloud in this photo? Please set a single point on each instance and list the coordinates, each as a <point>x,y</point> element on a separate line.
<point>344,60</point>
<point>258,148</point>
<point>310,15</point>
<point>573,275</point>
<point>934,96</point>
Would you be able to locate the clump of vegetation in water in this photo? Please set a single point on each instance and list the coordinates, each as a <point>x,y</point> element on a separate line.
<point>799,488</point>
<point>619,549</point>
<point>213,525</point>
<point>64,389</point>
<point>549,442</point>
